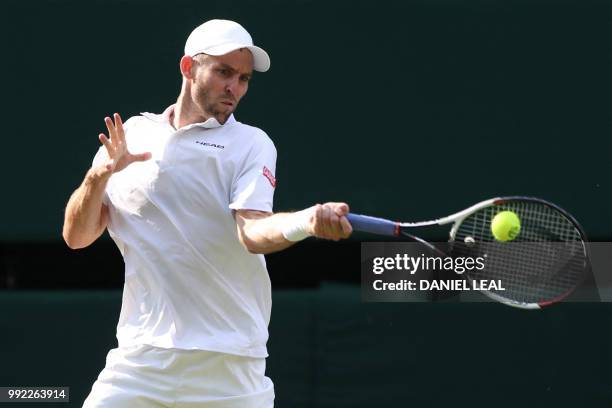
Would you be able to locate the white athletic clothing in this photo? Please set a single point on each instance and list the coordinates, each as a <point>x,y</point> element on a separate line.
<point>189,283</point>
<point>143,376</point>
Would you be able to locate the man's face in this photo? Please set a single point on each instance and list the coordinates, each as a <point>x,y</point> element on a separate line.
<point>219,82</point>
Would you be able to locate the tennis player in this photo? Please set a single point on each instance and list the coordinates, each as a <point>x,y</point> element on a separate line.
<point>187,197</point>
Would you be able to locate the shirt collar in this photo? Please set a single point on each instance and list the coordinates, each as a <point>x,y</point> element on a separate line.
<point>164,117</point>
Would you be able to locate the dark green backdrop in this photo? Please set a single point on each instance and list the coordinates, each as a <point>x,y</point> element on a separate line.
<point>407,109</point>
<point>329,350</point>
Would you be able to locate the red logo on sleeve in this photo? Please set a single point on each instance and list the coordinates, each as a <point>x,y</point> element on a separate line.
<point>269,176</point>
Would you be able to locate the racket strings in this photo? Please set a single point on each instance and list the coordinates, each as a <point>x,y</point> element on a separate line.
<point>545,261</point>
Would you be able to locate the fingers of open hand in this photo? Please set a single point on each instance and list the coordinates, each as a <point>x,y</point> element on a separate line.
<point>115,130</point>
<point>109,147</point>
<point>115,142</point>
<point>140,156</point>
<point>110,126</point>
<point>119,127</point>
<point>116,147</point>
<point>110,151</point>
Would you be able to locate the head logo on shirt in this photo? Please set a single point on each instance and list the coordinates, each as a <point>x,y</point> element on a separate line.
<point>269,176</point>
<point>210,144</point>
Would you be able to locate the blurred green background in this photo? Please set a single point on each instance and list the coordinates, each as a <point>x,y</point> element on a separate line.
<point>404,109</point>
<point>329,350</point>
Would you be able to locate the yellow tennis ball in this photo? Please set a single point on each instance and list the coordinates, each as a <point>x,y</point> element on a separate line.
<point>505,226</point>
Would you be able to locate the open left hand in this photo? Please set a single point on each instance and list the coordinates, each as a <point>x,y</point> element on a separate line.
<point>118,155</point>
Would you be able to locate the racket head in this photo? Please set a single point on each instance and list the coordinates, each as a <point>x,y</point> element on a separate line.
<point>543,265</point>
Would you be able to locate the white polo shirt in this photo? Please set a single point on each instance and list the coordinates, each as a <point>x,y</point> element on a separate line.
<point>189,283</point>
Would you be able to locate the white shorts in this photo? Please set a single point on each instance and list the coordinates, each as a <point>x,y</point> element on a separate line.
<point>146,376</point>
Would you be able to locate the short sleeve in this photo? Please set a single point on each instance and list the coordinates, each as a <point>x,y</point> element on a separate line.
<point>253,188</point>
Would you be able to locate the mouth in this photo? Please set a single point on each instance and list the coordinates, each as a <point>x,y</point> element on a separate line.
<point>228,103</point>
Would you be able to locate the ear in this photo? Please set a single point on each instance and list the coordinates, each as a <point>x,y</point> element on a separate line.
<point>186,66</point>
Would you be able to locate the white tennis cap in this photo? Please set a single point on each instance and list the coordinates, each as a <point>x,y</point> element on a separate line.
<point>219,37</point>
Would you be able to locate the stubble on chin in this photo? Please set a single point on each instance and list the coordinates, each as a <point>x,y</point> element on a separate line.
<point>210,109</point>
<point>221,116</point>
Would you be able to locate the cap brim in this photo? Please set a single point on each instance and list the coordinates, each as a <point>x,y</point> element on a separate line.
<point>261,60</point>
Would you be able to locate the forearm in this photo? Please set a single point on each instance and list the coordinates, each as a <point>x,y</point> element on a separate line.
<point>264,235</point>
<point>86,217</point>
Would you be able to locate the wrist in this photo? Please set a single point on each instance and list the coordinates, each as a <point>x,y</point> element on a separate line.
<point>97,175</point>
<point>296,226</point>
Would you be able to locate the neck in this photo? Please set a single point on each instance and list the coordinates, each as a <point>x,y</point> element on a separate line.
<point>184,114</point>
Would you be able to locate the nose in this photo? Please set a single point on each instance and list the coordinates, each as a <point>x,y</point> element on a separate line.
<point>231,87</point>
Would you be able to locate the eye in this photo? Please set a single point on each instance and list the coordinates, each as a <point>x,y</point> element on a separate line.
<point>223,71</point>
<point>245,78</point>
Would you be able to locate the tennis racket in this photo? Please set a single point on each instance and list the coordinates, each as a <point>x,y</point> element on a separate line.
<point>543,265</point>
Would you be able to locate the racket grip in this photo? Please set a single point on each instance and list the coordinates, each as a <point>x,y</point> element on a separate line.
<point>373,225</point>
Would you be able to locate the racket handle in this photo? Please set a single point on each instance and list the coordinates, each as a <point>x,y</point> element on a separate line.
<point>373,225</point>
